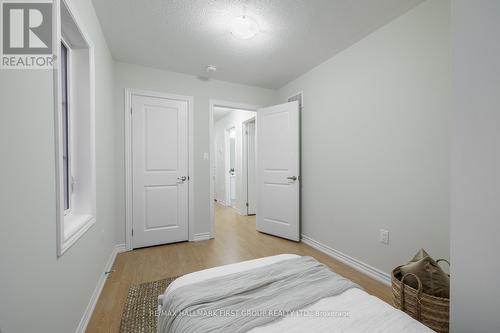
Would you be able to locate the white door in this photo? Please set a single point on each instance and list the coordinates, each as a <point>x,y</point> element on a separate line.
<point>278,171</point>
<point>252,177</point>
<point>159,170</point>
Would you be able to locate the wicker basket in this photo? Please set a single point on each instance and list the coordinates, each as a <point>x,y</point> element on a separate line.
<point>432,311</point>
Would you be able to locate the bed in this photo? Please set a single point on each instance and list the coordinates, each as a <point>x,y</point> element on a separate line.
<point>351,310</point>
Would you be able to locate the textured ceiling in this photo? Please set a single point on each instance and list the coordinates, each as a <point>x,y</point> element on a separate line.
<point>186,35</point>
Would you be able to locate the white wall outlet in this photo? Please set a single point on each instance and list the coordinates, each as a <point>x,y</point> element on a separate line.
<point>384,236</point>
<point>205,156</point>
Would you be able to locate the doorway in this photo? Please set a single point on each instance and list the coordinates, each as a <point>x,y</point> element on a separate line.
<point>229,157</point>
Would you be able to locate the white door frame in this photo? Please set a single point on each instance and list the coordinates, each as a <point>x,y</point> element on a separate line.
<point>245,155</point>
<point>128,159</point>
<point>224,104</point>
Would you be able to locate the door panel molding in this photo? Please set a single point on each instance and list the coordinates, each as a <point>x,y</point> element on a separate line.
<point>129,93</point>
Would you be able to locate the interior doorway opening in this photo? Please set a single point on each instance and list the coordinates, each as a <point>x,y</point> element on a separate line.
<point>232,159</point>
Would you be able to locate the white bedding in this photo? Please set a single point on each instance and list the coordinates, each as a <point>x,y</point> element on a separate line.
<point>366,313</point>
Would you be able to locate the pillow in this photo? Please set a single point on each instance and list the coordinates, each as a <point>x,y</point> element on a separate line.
<point>434,280</point>
<point>421,254</point>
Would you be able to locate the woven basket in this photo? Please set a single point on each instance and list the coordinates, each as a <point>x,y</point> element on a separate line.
<point>432,311</point>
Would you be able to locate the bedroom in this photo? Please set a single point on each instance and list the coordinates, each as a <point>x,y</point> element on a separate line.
<point>392,147</point>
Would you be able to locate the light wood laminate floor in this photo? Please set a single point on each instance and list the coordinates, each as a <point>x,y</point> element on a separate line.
<point>235,240</point>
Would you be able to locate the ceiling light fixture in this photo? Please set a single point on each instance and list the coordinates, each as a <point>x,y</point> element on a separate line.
<point>243,27</point>
<point>211,69</point>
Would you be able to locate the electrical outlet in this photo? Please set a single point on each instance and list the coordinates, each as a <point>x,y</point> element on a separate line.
<point>384,236</point>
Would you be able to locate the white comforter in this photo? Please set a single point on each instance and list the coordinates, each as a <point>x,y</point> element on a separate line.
<point>366,313</point>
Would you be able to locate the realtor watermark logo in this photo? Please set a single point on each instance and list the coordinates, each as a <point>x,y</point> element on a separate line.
<point>26,38</point>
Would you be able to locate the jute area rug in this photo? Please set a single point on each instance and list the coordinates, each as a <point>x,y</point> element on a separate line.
<point>140,311</point>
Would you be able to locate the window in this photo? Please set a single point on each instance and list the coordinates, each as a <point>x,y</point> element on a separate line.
<point>65,126</point>
<point>75,148</point>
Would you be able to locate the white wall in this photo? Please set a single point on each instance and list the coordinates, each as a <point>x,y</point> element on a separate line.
<point>233,119</point>
<point>475,179</point>
<point>38,292</point>
<point>375,144</point>
<point>138,77</point>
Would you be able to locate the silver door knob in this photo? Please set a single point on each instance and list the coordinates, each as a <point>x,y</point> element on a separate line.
<point>292,178</point>
<point>181,179</point>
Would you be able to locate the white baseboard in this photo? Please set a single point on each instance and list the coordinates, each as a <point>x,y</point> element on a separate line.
<point>201,237</point>
<point>82,326</point>
<point>358,265</point>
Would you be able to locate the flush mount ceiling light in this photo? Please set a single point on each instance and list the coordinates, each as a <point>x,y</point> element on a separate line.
<point>243,27</point>
<point>211,69</point>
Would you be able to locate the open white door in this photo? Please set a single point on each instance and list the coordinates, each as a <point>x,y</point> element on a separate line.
<point>278,171</point>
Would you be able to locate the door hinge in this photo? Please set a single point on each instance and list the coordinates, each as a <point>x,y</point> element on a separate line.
<point>247,204</point>
<point>130,110</point>
<point>132,232</point>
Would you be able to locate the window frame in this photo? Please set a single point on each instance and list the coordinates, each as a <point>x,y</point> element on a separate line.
<point>73,223</point>
<point>64,42</point>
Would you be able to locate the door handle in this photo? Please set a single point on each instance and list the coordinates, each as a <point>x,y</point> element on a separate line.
<point>293,178</point>
<point>181,180</point>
